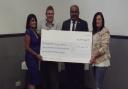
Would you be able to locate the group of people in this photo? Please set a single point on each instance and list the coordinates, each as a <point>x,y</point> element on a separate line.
<point>44,74</point>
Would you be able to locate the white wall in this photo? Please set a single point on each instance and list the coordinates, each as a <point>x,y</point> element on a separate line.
<point>13,13</point>
<point>115,13</point>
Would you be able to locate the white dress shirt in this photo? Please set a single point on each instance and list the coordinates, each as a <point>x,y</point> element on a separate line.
<point>71,25</point>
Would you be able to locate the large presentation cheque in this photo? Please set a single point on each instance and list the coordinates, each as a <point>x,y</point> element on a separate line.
<point>66,46</point>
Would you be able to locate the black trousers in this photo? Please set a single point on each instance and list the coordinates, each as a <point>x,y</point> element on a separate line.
<point>74,73</point>
<point>49,71</point>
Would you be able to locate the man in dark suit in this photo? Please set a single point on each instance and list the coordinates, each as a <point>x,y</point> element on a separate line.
<point>74,72</point>
<point>80,25</point>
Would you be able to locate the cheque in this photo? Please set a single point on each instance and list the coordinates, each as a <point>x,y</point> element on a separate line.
<point>66,46</point>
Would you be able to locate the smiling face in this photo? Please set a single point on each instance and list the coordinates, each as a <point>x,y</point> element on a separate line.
<point>99,21</point>
<point>74,13</point>
<point>50,16</point>
<point>33,23</point>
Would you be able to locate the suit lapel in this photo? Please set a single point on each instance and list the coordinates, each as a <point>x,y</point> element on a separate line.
<point>78,25</point>
<point>68,24</point>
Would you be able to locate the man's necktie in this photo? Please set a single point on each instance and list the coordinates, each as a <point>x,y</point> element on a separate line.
<point>73,26</point>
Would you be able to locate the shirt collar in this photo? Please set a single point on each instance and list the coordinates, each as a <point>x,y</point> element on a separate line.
<point>49,25</point>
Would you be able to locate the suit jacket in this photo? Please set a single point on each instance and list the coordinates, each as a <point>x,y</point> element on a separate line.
<point>81,25</point>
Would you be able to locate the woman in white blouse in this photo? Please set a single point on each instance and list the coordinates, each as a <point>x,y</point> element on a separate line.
<point>100,51</point>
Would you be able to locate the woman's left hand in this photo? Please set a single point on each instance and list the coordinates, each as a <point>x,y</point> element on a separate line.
<point>93,60</point>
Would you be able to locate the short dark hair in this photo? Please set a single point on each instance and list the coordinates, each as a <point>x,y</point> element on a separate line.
<point>75,7</point>
<point>49,8</point>
<point>94,22</point>
<point>30,16</point>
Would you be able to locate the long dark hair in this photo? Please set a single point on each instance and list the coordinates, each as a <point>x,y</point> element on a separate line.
<point>95,29</point>
<point>30,16</point>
